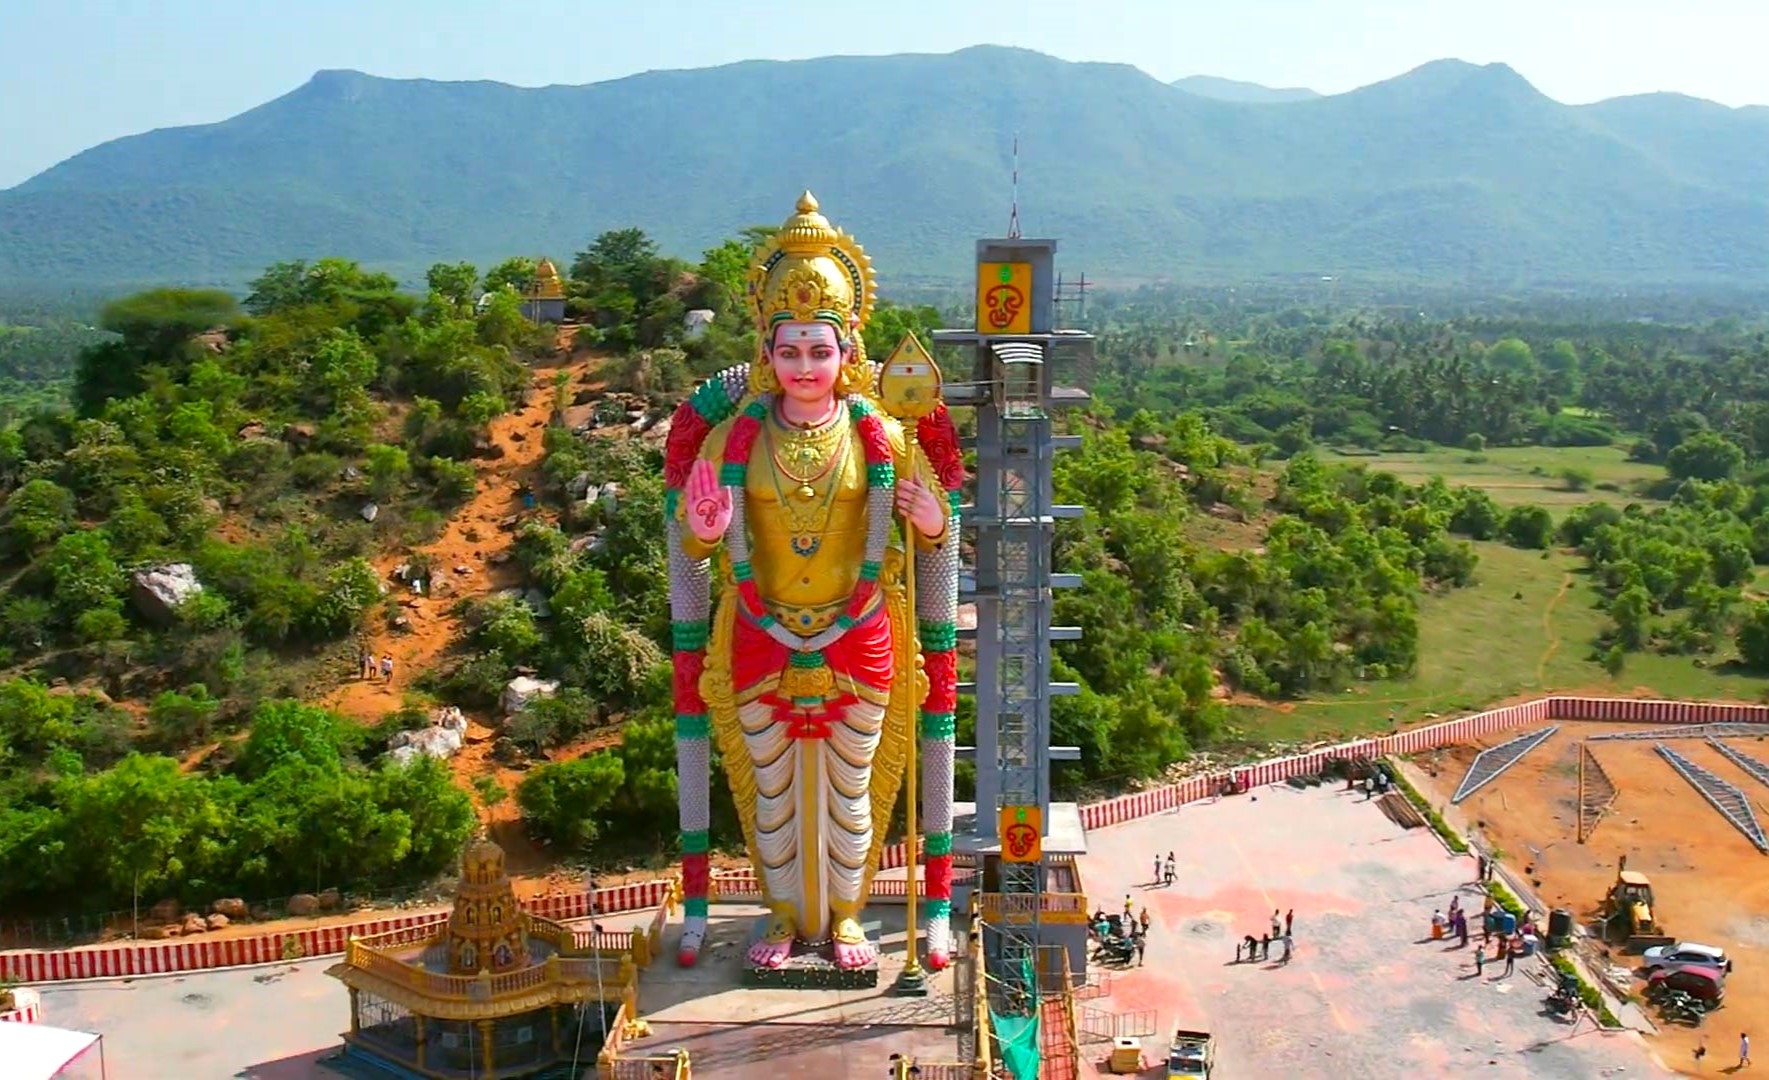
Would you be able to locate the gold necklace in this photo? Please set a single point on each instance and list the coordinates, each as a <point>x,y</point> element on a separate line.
<point>804,523</point>
<point>808,455</point>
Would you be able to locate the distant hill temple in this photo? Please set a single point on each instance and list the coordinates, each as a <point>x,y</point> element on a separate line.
<point>544,300</point>
<point>496,992</point>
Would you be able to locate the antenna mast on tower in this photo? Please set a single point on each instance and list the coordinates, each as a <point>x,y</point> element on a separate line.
<point>1013,217</point>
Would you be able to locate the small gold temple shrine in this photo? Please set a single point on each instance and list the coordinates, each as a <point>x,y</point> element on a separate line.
<point>544,299</point>
<point>494,992</point>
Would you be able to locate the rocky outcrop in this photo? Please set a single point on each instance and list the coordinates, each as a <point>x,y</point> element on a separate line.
<point>521,690</point>
<point>165,911</point>
<point>159,590</point>
<point>442,739</point>
<point>231,907</point>
<point>303,904</point>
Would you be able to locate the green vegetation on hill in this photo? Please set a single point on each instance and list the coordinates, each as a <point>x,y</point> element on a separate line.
<point>1272,517</point>
<point>1449,173</point>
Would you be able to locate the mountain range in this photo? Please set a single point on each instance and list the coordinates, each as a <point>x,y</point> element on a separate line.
<point>1211,86</point>
<point>1451,172</point>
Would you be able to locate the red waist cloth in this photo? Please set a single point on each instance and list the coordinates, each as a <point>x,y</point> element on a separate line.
<point>862,655</point>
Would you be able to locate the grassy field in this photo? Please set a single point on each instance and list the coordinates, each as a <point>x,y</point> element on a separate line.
<point>1525,629</point>
<point>1521,474</point>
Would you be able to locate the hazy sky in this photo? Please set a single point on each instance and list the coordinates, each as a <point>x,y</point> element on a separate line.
<point>78,72</point>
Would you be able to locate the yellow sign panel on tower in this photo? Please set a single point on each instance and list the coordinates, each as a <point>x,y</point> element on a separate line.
<point>1004,298</point>
<point>1022,834</point>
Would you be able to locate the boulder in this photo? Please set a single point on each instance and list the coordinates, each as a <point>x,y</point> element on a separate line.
<point>329,900</point>
<point>436,742</point>
<point>303,904</point>
<point>233,908</point>
<point>165,930</point>
<point>165,911</point>
<point>159,590</point>
<point>579,485</point>
<point>194,924</point>
<point>537,603</point>
<point>370,511</point>
<point>609,496</point>
<point>451,718</point>
<point>521,690</point>
<point>217,921</point>
<point>298,435</point>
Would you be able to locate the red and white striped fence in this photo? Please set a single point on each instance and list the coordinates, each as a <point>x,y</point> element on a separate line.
<point>137,958</point>
<point>1447,733</point>
<point>160,958</point>
<point>26,1009</point>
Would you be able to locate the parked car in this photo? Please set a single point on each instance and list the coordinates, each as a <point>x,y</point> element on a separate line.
<point>1684,954</point>
<point>1705,984</point>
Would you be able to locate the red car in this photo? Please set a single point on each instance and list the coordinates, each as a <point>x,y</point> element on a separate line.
<point>1705,984</point>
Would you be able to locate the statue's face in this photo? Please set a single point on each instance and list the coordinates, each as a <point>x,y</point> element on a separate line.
<point>807,356</point>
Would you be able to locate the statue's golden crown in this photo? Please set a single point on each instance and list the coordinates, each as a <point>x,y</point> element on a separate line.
<point>811,271</point>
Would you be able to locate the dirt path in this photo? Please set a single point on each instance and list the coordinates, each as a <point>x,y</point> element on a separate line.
<point>1548,629</point>
<point>463,554</point>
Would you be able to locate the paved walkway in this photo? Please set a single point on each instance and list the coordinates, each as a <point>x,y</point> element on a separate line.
<point>265,1023</point>
<point>1367,993</point>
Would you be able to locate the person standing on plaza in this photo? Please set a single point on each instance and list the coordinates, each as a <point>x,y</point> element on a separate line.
<point>1479,961</point>
<point>1277,924</point>
<point>1744,1049</point>
<point>1509,954</point>
<point>1288,943</point>
<point>1171,873</point>
<point>1265,946</point>
<point>1289,920</point>
<point>1157,878</point>
<point>1141,941</point>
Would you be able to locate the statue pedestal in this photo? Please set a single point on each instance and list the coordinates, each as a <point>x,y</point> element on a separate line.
<point>810,969</point>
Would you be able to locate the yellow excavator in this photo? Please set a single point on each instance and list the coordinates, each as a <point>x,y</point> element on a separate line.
<point>1628,911</point>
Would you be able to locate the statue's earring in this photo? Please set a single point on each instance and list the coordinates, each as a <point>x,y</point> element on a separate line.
<point>762,377</point>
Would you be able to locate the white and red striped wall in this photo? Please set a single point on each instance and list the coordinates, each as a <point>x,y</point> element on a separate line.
<point>196,954</point>
<point>138,958</point>
<point>26,1008</point>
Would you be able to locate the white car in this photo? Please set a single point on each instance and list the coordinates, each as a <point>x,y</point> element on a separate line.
<point>1685,954</point>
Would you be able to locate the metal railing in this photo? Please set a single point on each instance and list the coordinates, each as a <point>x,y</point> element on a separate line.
<point>1016,907</point>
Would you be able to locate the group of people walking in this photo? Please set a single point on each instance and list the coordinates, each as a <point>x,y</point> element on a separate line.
<point>370,666</point>
<point>1253,948</point>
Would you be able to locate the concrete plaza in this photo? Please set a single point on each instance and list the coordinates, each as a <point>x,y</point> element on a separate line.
<point>273,1022</point>
<point>1366,993</point>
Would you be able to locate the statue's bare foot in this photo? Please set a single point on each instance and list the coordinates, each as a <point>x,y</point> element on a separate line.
<point>852,950</point>
<point>938,935</point>
<point>775,946</point>
<point>693,933</point>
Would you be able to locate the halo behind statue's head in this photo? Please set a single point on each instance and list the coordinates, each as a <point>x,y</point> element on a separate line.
<point>810,271</point>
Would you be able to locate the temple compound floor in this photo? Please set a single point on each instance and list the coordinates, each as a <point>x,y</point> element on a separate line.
<point>1367,993</point>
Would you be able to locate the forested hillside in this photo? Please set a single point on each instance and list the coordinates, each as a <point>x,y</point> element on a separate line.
<point>240,498</point>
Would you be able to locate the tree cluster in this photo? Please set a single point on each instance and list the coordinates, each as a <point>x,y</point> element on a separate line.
<point>294,810</point>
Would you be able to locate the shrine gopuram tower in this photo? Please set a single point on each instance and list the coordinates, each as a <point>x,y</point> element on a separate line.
<point>1021,844</point>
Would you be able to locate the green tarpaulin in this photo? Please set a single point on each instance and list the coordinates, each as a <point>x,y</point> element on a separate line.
<point>1017,1036</point>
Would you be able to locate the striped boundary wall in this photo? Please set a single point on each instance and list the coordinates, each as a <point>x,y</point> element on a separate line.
<point>27,1009</point>
<point>194,955</point>
<point>1448,733</point>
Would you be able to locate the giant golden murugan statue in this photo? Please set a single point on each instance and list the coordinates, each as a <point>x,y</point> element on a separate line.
<point>811,673</point>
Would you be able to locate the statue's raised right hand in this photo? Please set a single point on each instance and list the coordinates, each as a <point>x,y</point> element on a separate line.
<point>708,503</point>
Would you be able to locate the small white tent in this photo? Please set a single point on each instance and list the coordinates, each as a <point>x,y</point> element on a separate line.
<point>41,1052</point>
